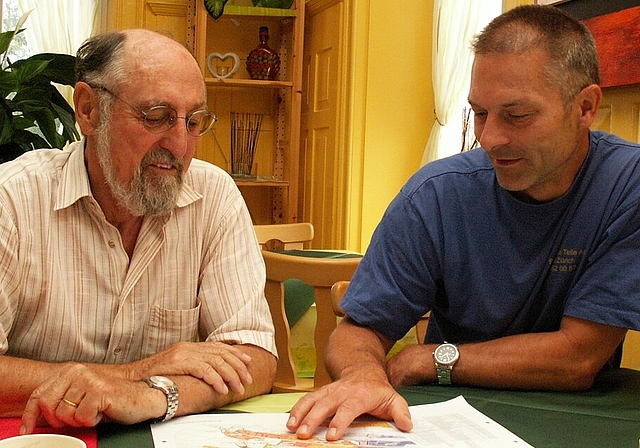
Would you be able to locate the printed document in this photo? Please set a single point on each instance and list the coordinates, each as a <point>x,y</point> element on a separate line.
<point>450,424</point>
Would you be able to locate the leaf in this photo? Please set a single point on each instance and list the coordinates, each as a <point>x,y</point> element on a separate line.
<point>70,132</point>
<point>5,40</point>
<point>33,113</point>
<point>8,83</point>
<point>17,30</point>
<point>6,130</point>
<point>60,68</point>
<point>28,69</point>
<point>215,8</point>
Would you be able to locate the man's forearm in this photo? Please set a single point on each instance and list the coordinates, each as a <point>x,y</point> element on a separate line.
<point>568,359</point>
<point>197,396</point>
<point>351,347</point>
<point>19,379</point>
<point>22,376</point>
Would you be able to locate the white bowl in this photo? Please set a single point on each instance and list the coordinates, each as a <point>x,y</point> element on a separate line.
<point>42,441</point>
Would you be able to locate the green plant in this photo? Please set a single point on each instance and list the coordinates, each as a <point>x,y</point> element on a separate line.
<point>33,113</point>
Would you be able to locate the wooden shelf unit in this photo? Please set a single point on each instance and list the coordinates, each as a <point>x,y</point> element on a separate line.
<point>273,196</point>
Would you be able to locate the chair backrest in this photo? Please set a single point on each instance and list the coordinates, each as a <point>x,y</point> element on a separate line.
<point>321,273</point>
<point>284,236</point>
<point>338,290</point>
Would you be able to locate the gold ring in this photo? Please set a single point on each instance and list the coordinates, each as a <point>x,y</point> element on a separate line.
<point>70,403</point>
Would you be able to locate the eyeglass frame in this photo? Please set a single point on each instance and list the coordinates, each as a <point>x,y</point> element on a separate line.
<point>144,114</point>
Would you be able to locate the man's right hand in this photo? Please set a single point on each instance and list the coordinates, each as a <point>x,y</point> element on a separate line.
<point>344,400</point>
<point>77,396</point>
<point>222,366</point>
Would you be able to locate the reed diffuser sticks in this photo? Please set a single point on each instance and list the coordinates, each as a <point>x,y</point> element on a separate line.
<point>245,130</point>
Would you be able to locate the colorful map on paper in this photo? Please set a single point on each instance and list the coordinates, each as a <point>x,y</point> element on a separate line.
<point>452,423</point>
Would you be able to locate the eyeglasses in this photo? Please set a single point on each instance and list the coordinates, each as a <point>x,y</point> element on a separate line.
<point>159,119</point>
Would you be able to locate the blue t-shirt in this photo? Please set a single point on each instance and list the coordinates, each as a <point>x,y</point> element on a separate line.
<point>487,265</point>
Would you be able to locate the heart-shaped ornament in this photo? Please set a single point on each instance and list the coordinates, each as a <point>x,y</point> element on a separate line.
<point>223,65</point>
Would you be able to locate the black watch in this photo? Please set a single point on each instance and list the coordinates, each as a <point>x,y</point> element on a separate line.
<point>170,390</point>
<point>445,356</point>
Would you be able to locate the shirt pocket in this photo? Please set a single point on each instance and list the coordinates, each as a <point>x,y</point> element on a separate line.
<point>166,327</point>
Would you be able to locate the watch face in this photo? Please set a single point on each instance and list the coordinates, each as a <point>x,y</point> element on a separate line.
<point>446,354</point>
<point>161,381</point>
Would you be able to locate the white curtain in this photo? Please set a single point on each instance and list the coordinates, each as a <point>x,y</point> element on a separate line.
<point>59,26</point>
<point>455,22</point>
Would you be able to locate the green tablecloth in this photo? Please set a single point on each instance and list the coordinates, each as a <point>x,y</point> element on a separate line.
<point>607,416</point>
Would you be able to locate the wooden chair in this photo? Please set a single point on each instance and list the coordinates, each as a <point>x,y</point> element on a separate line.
<point>284,236</point>
<point>321,273</point>
<point>338,290</point>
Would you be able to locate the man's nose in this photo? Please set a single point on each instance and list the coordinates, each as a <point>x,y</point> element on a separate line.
<point>491,133</point>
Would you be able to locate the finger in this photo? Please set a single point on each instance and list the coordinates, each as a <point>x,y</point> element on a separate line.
<point>43,404</point>
<point>224,371</point>
<point>237,360</point>
<point>88,413</point>
<point>400,414</point>
<point>229,374</point>
<point>30,416</point>
<point>301,409</point>
<point>344,415</point>
<point>312,411</point>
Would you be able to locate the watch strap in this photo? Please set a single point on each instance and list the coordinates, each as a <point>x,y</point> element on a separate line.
<point>444,374</point>
<point>171,392</point>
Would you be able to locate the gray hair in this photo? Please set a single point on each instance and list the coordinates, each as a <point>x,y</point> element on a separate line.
<point>569,44</point>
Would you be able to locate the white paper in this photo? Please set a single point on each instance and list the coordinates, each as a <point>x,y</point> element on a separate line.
<point>450,424</point>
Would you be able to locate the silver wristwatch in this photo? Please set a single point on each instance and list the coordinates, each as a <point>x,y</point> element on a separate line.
<point>445,356</point>
<point>170,390</point>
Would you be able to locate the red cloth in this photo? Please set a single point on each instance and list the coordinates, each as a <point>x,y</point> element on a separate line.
<point>11,427</point>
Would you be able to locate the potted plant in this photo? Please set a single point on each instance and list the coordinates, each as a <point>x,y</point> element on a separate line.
<point>33,113</point>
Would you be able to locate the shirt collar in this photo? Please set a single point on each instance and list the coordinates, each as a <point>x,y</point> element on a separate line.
<point>74,181</point>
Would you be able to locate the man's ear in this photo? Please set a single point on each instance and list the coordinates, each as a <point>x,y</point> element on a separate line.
<point>86,107</point>
<point>589,100</point>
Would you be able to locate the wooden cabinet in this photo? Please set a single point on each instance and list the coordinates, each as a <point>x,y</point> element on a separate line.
<point>272,196</point>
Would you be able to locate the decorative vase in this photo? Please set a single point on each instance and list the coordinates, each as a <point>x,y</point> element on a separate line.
<point>282,4</point>
<point>263,62</point>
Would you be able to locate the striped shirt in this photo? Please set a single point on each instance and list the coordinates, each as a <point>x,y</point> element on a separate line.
<point>68,291</point>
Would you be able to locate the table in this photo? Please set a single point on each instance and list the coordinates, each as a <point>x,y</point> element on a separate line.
<point>606,416</point>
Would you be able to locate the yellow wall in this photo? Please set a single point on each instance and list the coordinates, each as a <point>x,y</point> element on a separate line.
<point>393,106</point>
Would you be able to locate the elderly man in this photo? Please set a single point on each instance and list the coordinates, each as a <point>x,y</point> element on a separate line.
<point>132,284</point>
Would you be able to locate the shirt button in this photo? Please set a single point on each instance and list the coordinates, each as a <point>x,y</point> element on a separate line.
<point>112,244</point>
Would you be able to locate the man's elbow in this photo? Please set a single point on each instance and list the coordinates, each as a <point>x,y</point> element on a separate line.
<point>581,375</point>
<point>267,375</point>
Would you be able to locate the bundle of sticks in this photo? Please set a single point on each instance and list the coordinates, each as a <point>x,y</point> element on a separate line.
<point>245,129</point>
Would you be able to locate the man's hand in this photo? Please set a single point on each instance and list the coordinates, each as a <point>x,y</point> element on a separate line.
<point>345,400</point>
<point>220,365</point>
<point>78,397</point>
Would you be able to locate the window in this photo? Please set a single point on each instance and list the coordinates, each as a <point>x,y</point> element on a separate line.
<point>19,48</point>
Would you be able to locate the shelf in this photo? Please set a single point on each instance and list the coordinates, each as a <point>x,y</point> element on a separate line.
<point>274,197</point>
<point>233,10</point>
<point>259,84</point>
<point>261,183</point>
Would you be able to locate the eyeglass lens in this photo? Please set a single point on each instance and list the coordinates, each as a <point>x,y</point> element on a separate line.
<point>161,118</point>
